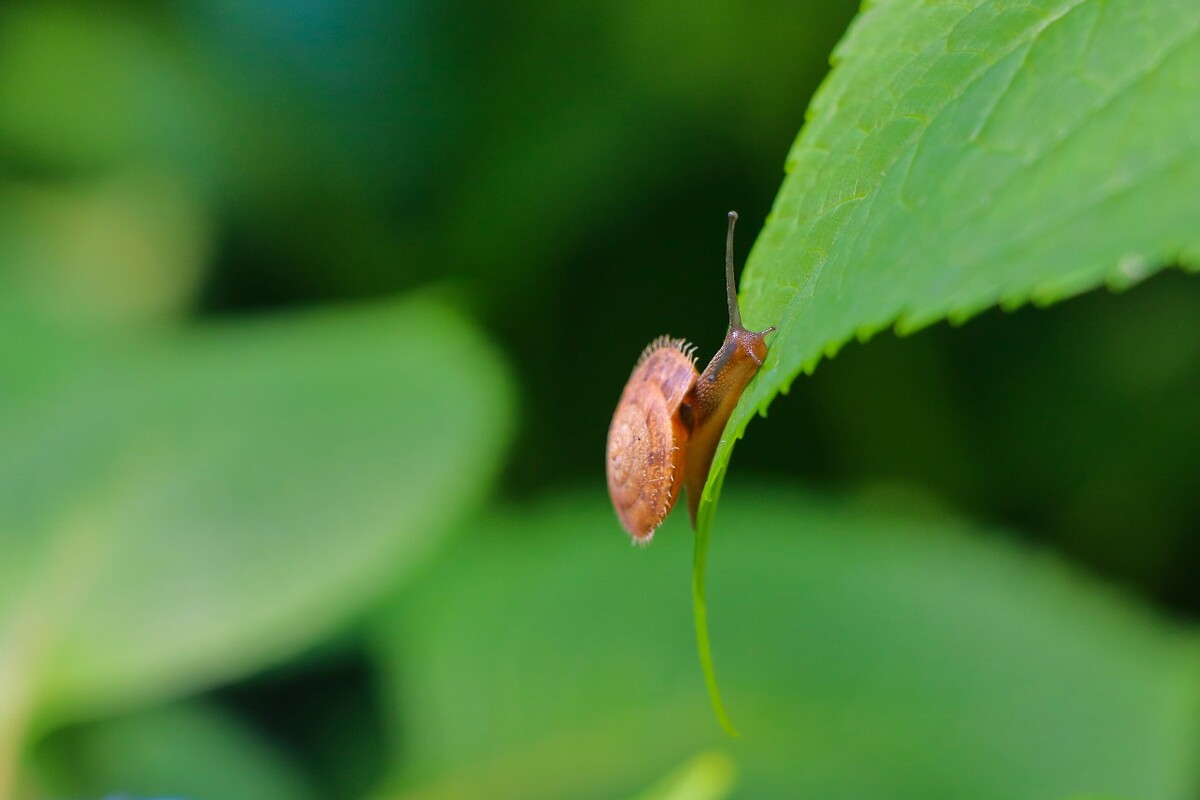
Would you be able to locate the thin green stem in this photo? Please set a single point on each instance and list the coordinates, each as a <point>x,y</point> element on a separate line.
<point>700,612</point>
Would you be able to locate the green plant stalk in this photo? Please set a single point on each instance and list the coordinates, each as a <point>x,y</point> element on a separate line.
<point>700,604</point>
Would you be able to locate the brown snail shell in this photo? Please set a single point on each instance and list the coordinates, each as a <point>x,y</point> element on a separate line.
<point>645,450</point>
<point>670,418</point>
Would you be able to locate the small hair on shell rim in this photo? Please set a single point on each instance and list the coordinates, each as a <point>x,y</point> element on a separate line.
<point>667,341</point>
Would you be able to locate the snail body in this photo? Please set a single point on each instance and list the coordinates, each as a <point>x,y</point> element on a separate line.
<point>670,418</point>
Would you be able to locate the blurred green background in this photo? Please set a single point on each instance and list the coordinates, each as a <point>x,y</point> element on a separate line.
<point>312,318</point>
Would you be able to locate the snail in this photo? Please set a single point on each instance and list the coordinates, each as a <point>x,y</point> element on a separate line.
<point>670,418</point>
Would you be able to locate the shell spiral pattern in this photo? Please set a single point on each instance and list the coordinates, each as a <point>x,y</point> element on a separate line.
<point>647,437</point>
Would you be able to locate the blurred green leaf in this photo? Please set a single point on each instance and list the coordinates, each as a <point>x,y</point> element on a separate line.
<point>708,776</point>
<point>190,749</point>
<point>126,249</point>
<point>86,85</point>
<point>871,652</point>
<point>963,155</point>
<point>640,104</point>
<point>183,511</point>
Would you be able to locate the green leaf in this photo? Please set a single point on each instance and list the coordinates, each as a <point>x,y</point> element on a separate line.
<point>966,154</point>
<point>83,87</point>
<point>184,511</point>
<point>121,250</point>
<point>189,749</point>
<point>871,652</point>
<point>708,776</point>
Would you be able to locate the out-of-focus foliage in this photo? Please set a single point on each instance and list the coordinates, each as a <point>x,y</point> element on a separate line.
<point>179,513</point>
<point>268,274</point>
<point>881,651</point>
<point>184,750</point>
<point>129,478</point>
<point>708,776</point>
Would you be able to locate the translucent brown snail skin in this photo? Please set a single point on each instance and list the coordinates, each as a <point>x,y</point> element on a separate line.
<point>670,418</point>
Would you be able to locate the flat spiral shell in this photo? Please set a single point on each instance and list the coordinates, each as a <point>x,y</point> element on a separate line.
<point>648,436</point>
